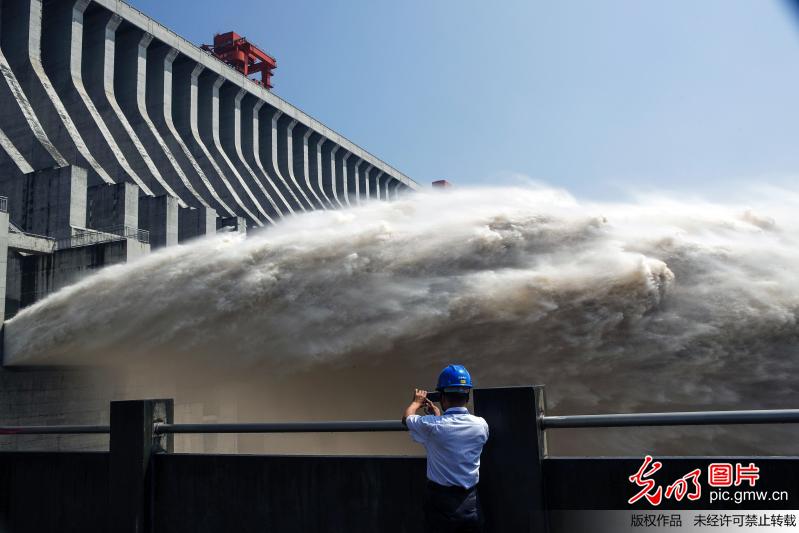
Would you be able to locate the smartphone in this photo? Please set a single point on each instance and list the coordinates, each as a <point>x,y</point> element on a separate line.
<point>434,396</point>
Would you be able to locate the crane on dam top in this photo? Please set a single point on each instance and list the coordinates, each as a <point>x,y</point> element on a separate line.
<point>244,56</point>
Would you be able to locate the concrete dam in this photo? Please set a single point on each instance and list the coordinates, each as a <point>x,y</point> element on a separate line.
<point>118,136</point>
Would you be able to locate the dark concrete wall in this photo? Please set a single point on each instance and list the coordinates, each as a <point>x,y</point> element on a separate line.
<point>40,275</point>
<point>247,493</point>
<point>64,492</point>
<point>48,202</point>
<point>53,492</point>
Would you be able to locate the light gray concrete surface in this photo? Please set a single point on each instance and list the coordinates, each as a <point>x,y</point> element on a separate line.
<point>129,140</point>
<point>192,52</point>
<point>54,200</point>
<point>345,177</point>
<point>391,189</point>
<point>47,396</point>
<point>335,175</point>
<point>36,276</point>
<point>228,140</point>
<point>159,216</point>
<point>266,152</point>
<point>291,159</point>
<point>20,40</point>
<point>246,142</point>
<point>76,66</point>
<point>195,91</point>
<point>279,155</point>
<point>181,77</point>
<point>371,183</point>
<point>130,91</point>
<point>112,206</point>
<point>196,222</point>
<point>366,180</point>
<point>317,167</point>
<point>356,179</point>
<point>210,133</point>
<point>158,99</point>
<point>306,160</point>
<point>129,110</point>
<point>378,185</point>
<point>14,154</point>
<point>24,139</point>
<point>29,244</point>
<point>339,185</point>
<point>3,263</point>
<point>235,224</point>
<point>328,167</point>
<point>262,151</point>
<point>110,90</point>
<point>242,144</point>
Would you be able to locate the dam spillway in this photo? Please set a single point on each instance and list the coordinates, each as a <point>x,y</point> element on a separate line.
<point>118,136</point>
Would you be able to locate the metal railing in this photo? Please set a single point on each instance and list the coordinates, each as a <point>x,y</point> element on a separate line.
<point>87,237</point>
<point>53,430</point>
<point>356,426</point>
<point>690,418</point>
<point>4,204</point>
<point>13,228</point>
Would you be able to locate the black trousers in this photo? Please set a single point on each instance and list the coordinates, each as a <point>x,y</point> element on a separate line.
<point>452,510</point>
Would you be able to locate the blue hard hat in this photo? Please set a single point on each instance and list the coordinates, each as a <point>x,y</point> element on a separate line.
<point>454,377</point>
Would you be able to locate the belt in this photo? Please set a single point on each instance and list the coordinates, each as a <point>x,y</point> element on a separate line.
<point>433,486</point>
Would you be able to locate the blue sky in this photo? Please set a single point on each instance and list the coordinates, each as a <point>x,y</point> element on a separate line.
<point>598,97</point>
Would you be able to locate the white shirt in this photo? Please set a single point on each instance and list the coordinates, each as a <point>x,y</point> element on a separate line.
<point>453,442</point>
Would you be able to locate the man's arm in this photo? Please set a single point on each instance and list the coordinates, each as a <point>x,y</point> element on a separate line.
<point>419,400</point>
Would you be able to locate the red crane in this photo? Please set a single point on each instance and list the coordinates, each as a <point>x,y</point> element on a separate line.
<point>242,55</point>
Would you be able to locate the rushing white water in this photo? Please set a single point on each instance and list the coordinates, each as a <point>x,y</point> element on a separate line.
<point>654,304</point>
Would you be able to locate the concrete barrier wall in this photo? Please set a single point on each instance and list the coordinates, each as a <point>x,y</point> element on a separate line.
<point>247,493</point>
<point>197,493</point>
<point>66,491</point>
<point>54,492</point>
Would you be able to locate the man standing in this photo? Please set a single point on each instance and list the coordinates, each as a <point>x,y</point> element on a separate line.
<point>453,442</point>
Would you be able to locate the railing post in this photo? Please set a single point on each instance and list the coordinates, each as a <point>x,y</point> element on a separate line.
<point>132,445</point>
<point>511,475</point>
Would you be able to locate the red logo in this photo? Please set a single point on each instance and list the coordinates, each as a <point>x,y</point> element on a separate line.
<point>688,486</point>
<point>719,474</point>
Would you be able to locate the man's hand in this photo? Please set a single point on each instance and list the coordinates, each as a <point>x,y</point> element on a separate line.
<point>420,397</point>
<point>419,400</point>
<point>431,409</point>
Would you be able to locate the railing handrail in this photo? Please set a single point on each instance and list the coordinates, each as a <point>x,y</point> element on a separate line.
<point>352,426</point>
<point>53,430</point>
<point>90,236</point>
<point>684,418</point>
<point>689,418</point>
